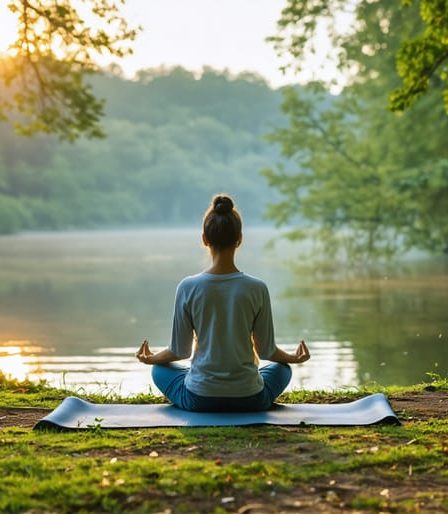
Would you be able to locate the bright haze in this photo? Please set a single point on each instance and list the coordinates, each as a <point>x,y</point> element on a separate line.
<point>195,33</point>
<point>223,34</point>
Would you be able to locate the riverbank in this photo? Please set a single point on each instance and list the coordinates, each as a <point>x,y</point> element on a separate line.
<point>216,470</point>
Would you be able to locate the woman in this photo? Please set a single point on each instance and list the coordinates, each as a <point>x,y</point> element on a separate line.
<point>228,315</point>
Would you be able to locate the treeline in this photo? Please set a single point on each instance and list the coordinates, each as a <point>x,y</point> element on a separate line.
<point>172,141</point>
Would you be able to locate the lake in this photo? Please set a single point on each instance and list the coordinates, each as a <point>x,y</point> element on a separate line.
<point>74,307</point>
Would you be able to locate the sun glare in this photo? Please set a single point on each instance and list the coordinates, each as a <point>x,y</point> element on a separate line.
<point>14,358</point>
<point>12,363</point>
<point>8,29</point>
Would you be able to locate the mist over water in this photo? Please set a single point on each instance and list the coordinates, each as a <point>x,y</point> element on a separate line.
<point>74,307</point>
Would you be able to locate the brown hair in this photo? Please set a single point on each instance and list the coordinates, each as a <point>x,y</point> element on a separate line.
<point>222,223</point>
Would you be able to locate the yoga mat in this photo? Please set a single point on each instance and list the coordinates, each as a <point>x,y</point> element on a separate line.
<point>74,413</point>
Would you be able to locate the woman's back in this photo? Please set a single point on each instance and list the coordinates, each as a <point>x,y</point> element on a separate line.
<point>223,310</point>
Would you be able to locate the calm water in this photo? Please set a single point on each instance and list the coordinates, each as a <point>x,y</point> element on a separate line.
<point>75,306</point>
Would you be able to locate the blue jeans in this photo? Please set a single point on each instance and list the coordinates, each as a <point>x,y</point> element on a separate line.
<point>170,379</point>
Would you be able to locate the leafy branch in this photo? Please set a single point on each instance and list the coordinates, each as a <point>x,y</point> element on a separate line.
<point>55,50</point>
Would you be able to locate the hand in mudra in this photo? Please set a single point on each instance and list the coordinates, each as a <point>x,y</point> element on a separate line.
<point>144,354</point>
<point>302,353</point>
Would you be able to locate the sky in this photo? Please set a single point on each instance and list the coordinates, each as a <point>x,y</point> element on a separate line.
<point>223,34</point>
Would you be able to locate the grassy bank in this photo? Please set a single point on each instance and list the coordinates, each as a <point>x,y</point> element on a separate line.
<point>303,469</point>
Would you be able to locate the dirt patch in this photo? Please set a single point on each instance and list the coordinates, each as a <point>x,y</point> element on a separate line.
<point>21,416</point>
<point>344,493</point>
<point>419,405</point>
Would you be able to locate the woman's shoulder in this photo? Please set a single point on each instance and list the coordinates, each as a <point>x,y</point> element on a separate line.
<point>191,281</point>
<point>256,281</point>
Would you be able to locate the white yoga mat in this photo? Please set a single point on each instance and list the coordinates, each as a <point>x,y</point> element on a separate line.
<point>74,413</point>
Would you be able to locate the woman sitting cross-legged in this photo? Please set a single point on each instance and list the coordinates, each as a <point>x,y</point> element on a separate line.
<point>223,319</point>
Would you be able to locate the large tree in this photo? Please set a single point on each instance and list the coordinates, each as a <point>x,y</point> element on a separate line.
<point>420,55</point>
<point>365,182</point>
<point>44,77</point>
<point>422,60</point>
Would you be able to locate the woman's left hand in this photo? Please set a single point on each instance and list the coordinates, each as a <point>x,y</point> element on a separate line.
<point>144,354</point>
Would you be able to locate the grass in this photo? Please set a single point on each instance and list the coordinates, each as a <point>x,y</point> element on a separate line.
<point>25,393</point>
<point>217,470</point>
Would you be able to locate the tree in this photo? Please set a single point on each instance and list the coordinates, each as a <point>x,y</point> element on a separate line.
<point>361,180</point>
<point>45,76</point>
<point>420,60</point>
<point>423,59</point>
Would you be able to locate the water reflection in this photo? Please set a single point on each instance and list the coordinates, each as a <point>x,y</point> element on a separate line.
<point>75,306</point>
<point>117,370</point>
<point>13,360</point>
<point>398,327</point>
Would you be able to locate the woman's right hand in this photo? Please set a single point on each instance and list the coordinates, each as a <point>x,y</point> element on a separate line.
<point>302,353</point>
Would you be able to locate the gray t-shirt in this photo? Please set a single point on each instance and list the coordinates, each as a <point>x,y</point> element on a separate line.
<point>221,312</point>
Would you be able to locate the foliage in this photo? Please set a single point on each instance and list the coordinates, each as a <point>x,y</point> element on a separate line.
<point>360,179</point>
<point>54,51</point>
<point>172,142</point>
<point>420,60</point>
<point>424,58</point>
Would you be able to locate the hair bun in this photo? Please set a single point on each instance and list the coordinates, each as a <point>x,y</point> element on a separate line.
<point>222,204</point>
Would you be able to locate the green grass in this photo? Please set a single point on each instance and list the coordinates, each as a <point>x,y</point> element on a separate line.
<point>193,469</point>
<point>113,471</point>
<point>14,393</point>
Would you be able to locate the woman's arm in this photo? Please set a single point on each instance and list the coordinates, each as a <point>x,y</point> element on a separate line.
<point>302,354</point>
<point>145,355</point>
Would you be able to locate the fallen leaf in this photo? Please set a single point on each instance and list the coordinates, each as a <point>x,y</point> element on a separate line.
<point>385,493</point>
<point>113,460</point>
<point>332,497</point>
<point>104,482</point>
<point>256,508</point>
<point>153,454</point>
<point>119,481</point>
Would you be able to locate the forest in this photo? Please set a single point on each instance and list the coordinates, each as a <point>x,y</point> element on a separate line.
<point>172,140</point>
<point>364,173</point>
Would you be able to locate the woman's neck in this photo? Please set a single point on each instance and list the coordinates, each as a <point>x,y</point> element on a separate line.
<point>223,262</point>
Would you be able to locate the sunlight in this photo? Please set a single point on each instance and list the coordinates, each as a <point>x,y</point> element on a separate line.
<point>14,360</point>
<point>8,32</point>
<point>12,363</point>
